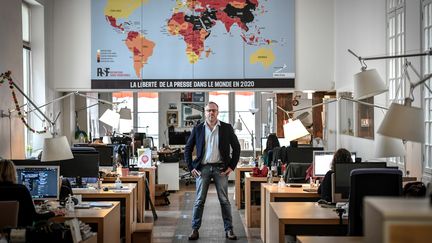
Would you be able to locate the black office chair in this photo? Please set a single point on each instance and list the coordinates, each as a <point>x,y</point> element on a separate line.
<point>296,172</point>
<point>370,182</point>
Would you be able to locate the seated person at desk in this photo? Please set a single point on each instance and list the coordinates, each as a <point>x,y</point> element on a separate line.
<point>341,156</point>
<point>272,142</point>
<point>11,191</point>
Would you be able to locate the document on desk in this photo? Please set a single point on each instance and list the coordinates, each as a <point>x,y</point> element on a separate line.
<point>101,204</point>
<point>310,189</point>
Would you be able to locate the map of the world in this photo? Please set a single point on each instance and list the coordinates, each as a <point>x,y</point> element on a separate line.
<point>192,44</point>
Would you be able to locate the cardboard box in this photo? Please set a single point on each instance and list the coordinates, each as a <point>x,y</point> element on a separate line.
<point>160,189</point>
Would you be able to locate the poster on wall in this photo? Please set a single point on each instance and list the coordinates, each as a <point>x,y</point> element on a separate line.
<point>201,44</point>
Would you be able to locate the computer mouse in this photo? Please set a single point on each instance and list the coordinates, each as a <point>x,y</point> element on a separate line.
<point>105,189</point>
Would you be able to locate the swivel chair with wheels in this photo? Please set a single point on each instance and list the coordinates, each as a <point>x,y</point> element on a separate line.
<point>9,211</point>
<point>370,182</point>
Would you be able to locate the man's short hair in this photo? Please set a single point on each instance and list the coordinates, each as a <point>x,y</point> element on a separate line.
<point>212,102</point>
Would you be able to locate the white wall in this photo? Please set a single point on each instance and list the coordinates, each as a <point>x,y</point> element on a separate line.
<point>314,44</point>
<point>359,26</point>
<point>11,59</point>
<point>165,98</point>
<point>72,44</point>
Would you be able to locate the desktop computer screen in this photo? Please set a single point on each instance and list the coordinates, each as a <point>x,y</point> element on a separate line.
<point>42,181</point>
<point>322,162</point>
<point>106,155</point>
<point>178,138</point>
<point>84,164</point>
<point>342,175</point>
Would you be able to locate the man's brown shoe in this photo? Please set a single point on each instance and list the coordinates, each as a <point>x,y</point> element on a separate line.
<point>230,235</point>
<point>194,235</point>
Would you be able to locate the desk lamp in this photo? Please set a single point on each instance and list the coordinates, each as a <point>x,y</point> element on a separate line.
<point>238,126</point>
<point>55,148</point>
<point>401,121</point>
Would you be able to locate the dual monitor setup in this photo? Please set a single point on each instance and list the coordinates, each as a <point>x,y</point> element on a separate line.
<point>341,177</point>
<point>43,178</point>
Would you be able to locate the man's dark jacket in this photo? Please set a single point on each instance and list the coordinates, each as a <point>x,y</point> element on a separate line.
<point>227,140</point>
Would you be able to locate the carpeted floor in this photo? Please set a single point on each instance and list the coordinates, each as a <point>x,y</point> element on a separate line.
<point>212,229</point>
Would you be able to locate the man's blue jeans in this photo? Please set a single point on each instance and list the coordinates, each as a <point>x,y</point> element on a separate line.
<point>209,171</point>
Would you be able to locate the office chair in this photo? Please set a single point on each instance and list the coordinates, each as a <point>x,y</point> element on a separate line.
<point>9,211</point>
<point>296,172</point>
<point>370,182</point>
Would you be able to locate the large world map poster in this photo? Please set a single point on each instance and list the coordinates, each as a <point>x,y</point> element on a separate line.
<point>192,44</point>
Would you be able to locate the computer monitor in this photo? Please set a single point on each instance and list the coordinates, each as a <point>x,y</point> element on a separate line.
<point>178,138</point>
<point>106,154</point>
<point>41,181</point>
<point>282,142</point>
<point>342,176</point>
<point>322,161</point>
<point>301,154</point>
<point>84,164</point>
<point>34,162</point>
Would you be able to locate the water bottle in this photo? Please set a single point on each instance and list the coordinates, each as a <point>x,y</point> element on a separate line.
<point>270,177</point>
<point>118,183</point>
<point>70,205</point>
<point>311,183</point>
<point>281,182</point>
<point>99,183</point>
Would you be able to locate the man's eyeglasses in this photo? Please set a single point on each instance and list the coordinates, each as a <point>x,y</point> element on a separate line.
<point>211,110</point>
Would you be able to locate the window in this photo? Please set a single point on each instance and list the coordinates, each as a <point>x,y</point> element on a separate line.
<point>27,81</point>
<point>427,69</point>
<point>396,45</point>
<point>92,110</point>
<point>148,115</point>
<point>395,67</point>
<point>243,102</point>
<point>221,98</point>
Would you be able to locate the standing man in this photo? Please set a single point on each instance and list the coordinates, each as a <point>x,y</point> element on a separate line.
<point>213,140</point>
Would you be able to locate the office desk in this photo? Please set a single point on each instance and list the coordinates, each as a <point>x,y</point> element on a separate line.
<point>252,209</point>
<point>239,187</point>
<point>151,178</point>
<point>168,173</point>
<point>106,219</point>
<point>128,196</point>
<point>330,239</point>
<point>139,180</point>
<point>273,193</point>
<point>302,218</point>
<point>397,220</point>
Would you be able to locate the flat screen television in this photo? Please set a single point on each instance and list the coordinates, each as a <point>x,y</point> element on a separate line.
<point>41,181</point>
<point>322,162</point>
<point>342,175</point>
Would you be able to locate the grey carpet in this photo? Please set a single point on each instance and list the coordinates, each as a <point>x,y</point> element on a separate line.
<point>212,229</point>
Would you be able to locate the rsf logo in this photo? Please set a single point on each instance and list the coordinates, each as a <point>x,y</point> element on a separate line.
<point>102,72</point>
